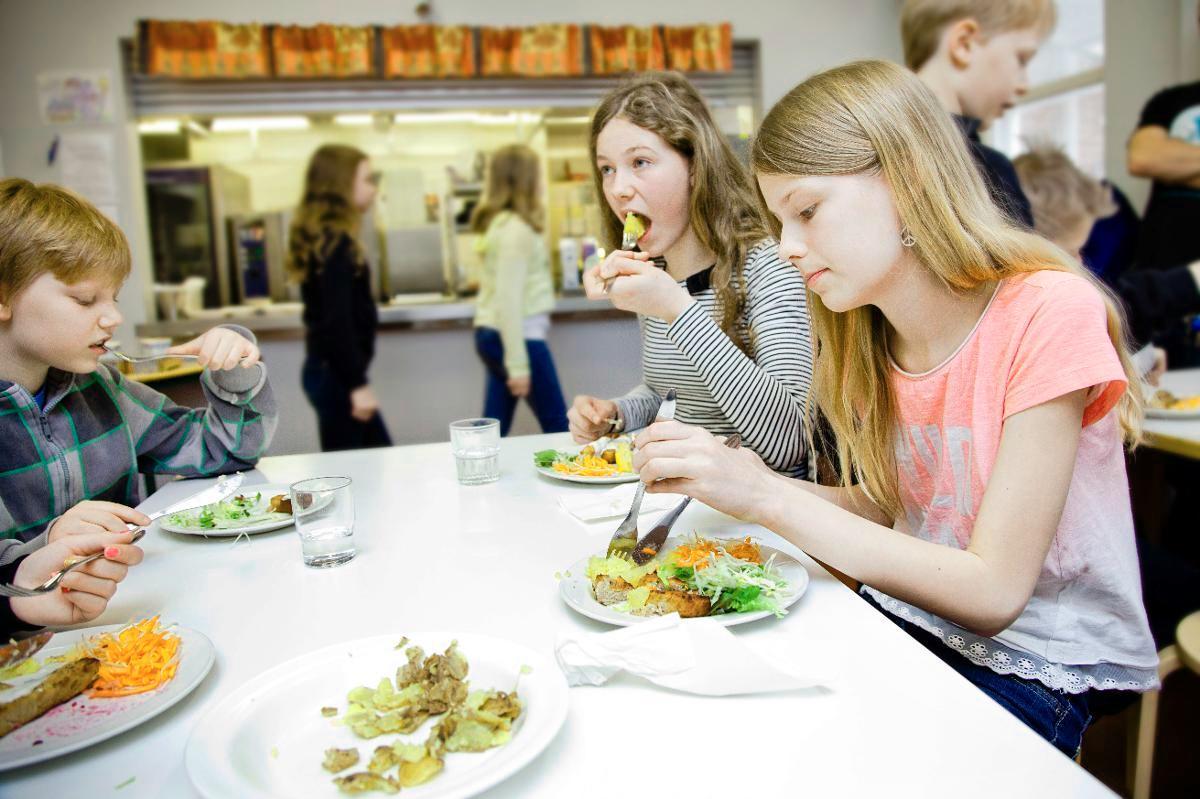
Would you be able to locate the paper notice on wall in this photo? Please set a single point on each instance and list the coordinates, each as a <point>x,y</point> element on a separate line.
<point>66,97</point>
<point>87,163</point>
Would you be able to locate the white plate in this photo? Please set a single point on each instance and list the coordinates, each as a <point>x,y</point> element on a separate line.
<point>578,478</point>
<point>268,737</point>
<point>83,721</point>
<point>264,526</point>
<point>576,591</point>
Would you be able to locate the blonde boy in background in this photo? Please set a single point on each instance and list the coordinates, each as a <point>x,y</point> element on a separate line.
<point>973,55</point>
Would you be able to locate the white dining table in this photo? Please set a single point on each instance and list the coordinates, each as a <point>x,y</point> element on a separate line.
<point>1177,436</point>
<point>890,720</point>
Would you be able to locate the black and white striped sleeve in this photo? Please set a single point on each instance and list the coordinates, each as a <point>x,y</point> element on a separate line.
<point>763,398</point>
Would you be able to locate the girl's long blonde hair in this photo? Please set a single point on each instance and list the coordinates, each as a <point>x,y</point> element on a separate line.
<point>876,118</point>
<point>722,208</point>
<point>513,178</point>
<point>326,209</point>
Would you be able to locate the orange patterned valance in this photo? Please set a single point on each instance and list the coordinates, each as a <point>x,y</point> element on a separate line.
<point>625,48</point>
<point>204,50</point>
<point>323,51</point>
<point>209,49</point>
<point>700,48</point>
<point>539,51</point>
<point>428,51</point>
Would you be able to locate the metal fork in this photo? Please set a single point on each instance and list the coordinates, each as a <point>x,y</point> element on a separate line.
<point>52,583</point>
<point>625,538</point>
<point>146,358</point>
<point>628,242</point>
<point>648,547</point>
<point>220,490</point>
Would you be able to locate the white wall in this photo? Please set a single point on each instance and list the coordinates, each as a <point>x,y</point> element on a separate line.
<point>1149,45</point>
<point>798,37</point>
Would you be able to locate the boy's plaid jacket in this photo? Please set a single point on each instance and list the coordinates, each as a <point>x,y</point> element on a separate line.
<point>98,431</point>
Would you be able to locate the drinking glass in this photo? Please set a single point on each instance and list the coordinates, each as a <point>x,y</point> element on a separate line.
<point>323,508</point>
<point>476,446</point>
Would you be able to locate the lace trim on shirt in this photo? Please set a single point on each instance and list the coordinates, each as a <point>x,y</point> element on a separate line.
<point>1006,660</point>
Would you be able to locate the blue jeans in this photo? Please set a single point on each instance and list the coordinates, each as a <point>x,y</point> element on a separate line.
<point>1059,717</point>
<point>545,395</point>
<point>331,400</point>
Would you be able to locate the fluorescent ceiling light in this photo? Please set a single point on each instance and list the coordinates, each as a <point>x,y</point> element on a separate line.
<point>510,118</point>
<point>356,120</point>
<point>159,126</point>
<point>231,124</point>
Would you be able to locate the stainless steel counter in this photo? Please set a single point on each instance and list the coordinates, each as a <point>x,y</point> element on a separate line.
<point>425,314</point>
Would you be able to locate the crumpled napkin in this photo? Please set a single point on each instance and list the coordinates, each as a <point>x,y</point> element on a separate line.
<point>699,657</point>
<point>614,503</point>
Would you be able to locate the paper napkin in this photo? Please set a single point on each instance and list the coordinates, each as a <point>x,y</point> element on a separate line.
<point>614,503</point>
<point>699,657</point>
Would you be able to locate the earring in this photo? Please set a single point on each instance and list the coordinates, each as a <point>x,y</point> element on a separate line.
<point>907,238</point>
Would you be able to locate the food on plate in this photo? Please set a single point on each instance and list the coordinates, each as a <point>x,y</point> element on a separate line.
<point>240,510</point>
<point>339,759</point>
<point>65,682</point>
<point>365,782</point>
<point>424,687</point>
<point>1165,400</point>
<point>138,658</point>
<point>603,458</point>
<point>699,577</point>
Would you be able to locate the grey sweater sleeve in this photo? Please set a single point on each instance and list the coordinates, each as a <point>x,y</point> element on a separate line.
<point>231,433</point>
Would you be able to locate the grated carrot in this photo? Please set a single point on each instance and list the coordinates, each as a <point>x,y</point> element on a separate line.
<point>587,466</point>
<point>135,659</point>
<point>696,553</point>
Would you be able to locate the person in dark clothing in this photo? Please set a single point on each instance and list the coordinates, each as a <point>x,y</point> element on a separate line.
<point>1066,204</point>
<point>1111,246</point>
<point>1166,148</point>
<point>340,316</point>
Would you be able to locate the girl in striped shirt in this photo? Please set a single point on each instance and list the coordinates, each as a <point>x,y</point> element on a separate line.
<point>723,319</point>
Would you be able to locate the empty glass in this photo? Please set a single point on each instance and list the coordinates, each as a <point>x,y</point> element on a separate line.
<point>476,447</point>
<point>323,508</point>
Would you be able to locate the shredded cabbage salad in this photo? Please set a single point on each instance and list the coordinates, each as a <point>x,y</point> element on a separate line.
<point>237,511</point>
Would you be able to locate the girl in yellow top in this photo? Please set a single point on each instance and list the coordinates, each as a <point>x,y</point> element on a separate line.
<point>516,294</point>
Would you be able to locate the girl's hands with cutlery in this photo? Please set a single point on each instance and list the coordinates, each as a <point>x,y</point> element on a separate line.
<point>219,348</point>
<point>672,457</point>
<point>636,284</point>
<point>84,593</point>
<point>96,517</point>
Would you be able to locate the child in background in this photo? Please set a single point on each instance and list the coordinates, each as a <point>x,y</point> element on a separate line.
<point>1066,204</point>
<point>972,54</point>
<point>978,383</point>
<point>76,432</point>
<point>725,322</point>
<point>516,294</point>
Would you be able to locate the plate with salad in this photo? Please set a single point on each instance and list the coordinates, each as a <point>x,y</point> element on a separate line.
<point>730,580</point>
<point>255,509</point>
<point>605,461</point>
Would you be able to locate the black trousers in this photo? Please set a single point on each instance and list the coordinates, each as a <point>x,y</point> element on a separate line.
<point>331,399</point>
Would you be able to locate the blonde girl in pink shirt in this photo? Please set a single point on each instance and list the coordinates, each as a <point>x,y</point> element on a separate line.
<point>979,387</point>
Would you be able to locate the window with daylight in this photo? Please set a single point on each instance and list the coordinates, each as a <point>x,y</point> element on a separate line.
<point>1065,103</point>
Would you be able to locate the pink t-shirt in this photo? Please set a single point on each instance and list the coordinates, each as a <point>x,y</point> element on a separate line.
<point>1042,336</point>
